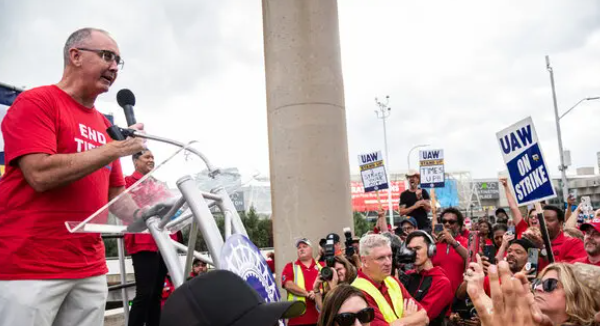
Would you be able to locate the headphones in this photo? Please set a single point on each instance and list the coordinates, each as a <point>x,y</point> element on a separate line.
<point>431,248</point>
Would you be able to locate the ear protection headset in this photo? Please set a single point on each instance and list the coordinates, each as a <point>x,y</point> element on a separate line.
<point>431,248</point>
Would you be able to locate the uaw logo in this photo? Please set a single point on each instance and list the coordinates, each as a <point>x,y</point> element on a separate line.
<point>241,256</point>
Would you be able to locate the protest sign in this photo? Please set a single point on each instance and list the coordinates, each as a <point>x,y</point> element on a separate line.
<point>527,170</point>
<point>431,162</point>
<point>372,171</point>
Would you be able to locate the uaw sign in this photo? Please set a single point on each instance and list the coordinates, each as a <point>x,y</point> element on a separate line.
<point>432,168</point>
<point>372,171</point>
<point>526,166</point>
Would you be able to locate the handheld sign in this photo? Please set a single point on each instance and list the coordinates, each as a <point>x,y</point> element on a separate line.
<point>241,256</point>
<point>527,170</point>
<point>432,168</point>
<point>372,171</point>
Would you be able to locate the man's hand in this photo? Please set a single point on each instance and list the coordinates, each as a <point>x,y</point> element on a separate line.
<point>446,237</point>
<point>410,307</point>
<point>311,295</point>
<point>504,181</point>
<point>131,145</point>
<point>507,238</point>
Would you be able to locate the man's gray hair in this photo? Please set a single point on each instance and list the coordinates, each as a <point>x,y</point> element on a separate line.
<point>77,38</point>
<point>370,241</point>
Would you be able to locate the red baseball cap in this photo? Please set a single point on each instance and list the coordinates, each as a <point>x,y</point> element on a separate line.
<point>595,223</point>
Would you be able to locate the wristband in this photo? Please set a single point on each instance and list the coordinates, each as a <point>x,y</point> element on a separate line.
<point>456,245</point>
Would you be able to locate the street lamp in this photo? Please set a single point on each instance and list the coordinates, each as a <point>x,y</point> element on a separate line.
<point>562,167</point>
<point>409,152</point>
<point>383,112</point>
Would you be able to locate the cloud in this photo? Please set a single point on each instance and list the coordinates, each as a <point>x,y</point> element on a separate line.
<point>456,72</point>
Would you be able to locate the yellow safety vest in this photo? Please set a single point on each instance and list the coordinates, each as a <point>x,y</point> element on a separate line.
<point>299,280</point>
<point>389,314</point>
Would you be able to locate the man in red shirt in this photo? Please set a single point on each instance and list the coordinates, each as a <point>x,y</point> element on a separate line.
<point>298,279</point>
<point>148,266</point>
<point>384,293</point>
<point>451,253</point>
<point>61,166</point>
<point>591,242</point>
<point>428,284</point>
<point>565,249</point>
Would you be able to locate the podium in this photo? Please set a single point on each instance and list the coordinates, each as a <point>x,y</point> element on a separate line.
<point>181,191</point>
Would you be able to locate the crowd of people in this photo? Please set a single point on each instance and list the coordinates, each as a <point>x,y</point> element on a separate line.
<point>440,271</point>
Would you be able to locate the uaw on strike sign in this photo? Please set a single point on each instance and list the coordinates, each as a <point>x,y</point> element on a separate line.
<point>372,171</point>
<point>523,157</point>
<point>432,168</point>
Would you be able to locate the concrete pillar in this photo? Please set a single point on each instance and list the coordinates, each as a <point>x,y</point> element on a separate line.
<point>308,145</point>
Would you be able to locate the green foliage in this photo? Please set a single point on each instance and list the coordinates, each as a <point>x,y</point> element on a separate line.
<point>361,225</point>
<point>110,248</point>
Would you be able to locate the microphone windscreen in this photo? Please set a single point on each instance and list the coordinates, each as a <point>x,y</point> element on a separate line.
<point>125,97</point>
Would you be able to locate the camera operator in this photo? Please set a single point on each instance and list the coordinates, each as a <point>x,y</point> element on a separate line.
<point>350,251</point>
<point>345,273</point>
<point>429,285</point>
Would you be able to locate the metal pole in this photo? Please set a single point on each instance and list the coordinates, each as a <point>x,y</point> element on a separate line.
<point>562,168</point>
<point>121,251</point>
<point>192,246</point>
<point>387,162</point>
<point>385,113</point>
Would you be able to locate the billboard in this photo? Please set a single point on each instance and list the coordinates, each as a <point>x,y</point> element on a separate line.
<point>367,201</point>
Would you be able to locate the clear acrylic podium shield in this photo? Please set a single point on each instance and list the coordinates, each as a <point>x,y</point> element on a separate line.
<point>183,190</point>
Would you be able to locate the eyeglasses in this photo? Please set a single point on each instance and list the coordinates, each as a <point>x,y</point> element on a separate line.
<point>451,222</point>
<point>548,285</point>
<point>347,319</point>
<point>107,56</point>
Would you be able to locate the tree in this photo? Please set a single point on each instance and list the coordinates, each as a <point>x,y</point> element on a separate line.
<point>361,225</point>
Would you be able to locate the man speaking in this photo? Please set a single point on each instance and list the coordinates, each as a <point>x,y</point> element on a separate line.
<point>60,166</point>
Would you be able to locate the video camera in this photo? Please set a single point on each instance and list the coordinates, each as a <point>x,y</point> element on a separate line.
<point>348,243</point>
<point>329,255</point>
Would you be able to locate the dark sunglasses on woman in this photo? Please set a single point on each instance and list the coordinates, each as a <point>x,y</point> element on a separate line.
<point>347,318</point>
<point>548,285</point>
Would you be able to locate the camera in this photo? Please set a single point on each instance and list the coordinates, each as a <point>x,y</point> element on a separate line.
<point>348,243</point>
<point>406,256</point>
<point>329,249</point>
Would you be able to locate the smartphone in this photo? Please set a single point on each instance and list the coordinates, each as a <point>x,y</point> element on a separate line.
<point>511,230</point>
<point>532,259</point>
<point>438,228</point>
<point>489,251</point>
<point>473,247</point>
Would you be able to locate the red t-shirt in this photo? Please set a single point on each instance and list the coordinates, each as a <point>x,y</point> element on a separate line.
<point>586,260</point>
<point>520,228</point>
<point>379,320</point>
<point>567,249</point>
<point>34,242</point>
<point>451,261</point>
<point>150,192</point>
<point>311,316</point>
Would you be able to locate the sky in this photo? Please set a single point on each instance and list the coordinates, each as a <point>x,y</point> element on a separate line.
<point>456,72</point>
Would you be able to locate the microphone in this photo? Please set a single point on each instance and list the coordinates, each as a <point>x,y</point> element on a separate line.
<point>126,100</point>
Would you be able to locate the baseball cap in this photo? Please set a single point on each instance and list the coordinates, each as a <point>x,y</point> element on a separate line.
<point>303,240</point>
<point>335,236</point>
<point>190,305</point>
<point>595,223</point>
<point>410,219</point>
<point>412,173</point>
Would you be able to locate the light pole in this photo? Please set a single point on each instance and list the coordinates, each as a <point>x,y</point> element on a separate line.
<point>412,149</point>
<point>383,112</point>
<point>562,167</point>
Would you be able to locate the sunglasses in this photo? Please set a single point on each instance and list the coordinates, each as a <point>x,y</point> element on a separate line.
<point>451,222</point>
<point>548,285</point>
<point>347,319</point>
